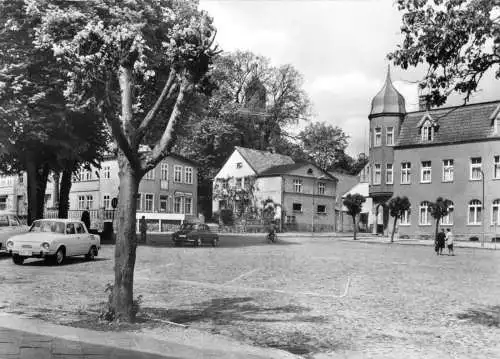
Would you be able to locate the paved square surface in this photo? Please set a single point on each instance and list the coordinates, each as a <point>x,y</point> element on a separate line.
<point>307,296</point>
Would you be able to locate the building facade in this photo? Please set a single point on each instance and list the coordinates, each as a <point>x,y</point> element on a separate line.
<point>13,194</point>
<point>452,153</point>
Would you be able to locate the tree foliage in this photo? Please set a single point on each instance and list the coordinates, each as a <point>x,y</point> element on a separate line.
<point>397,208</point>
<point>439,209</point>
<point>459,40</point>
<point>354,203</point>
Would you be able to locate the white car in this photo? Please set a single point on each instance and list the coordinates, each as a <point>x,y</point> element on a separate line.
<point>10,225</point>
<point>54,239</point>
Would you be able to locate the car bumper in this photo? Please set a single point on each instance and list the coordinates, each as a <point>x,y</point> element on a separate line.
<point>34,254</point>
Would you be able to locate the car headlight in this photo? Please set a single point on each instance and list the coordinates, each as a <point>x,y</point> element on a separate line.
<point>45,245</point>
<point>10,244</point>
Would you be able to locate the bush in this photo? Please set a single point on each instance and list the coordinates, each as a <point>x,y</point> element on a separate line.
<point>474,239</point>
<point>227,217</point>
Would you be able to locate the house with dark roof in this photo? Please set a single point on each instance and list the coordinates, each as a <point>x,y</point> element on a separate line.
<point>451,152</point>
<point>304,195</point>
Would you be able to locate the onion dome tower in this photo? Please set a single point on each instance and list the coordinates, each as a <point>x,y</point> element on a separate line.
<point>386,116</point>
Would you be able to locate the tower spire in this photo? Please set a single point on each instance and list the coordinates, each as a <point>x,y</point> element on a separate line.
<point>388,77</point>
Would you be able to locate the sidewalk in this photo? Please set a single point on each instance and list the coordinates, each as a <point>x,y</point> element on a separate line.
<point>23,338</point>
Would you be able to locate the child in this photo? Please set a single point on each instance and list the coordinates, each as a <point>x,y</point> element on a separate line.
<point>449,242</point>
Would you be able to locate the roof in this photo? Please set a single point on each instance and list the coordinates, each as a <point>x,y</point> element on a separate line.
<point>388,100</point>
<point>263,160</point>
<point>361,188</point>
<point>345,183</point>
<point>284,169</point>
<point>112,156</point>
<point>453,125</point>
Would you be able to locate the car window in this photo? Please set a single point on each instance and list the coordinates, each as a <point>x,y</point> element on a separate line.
<point>4,221</point>
<point>79,228</point>
<point>70,228</point>
<point>14,221</point>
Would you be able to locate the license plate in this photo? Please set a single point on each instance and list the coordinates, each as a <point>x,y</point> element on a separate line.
<point>25,252</point>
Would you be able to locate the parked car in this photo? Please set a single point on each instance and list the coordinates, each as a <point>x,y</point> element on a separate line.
<point>54,239</point>
<point>196,234</point>
<point>10,225</point>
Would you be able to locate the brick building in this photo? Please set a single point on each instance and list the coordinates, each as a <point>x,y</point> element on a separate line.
<point>449,152</point>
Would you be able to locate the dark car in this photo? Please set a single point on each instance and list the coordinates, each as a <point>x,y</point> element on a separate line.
<point>195,234</point>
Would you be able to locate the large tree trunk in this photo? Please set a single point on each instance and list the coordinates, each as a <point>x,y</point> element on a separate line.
<point>125,249</point>
<point>56,177</point>
<point>394,229</point>
<point>437,228</point>
<point>354,226</point>
<point>37,183</point>
<point>65,188</point>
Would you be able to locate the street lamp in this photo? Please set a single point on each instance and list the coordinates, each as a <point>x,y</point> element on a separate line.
<point>484,208</point>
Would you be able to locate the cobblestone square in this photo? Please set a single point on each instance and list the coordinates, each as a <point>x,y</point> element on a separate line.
<point>308,296</point>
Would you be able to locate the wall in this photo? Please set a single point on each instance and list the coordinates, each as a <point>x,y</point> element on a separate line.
<point>460,191</point>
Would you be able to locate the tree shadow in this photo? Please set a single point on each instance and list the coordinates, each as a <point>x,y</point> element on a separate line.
<point>67,262</point>
<point>225,241</point>
<point>488,316</point>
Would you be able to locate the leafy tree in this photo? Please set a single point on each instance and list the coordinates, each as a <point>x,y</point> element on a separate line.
<point>397,208</point>
<point>323,143</point>
<point>136,62</point>
<point>354,203</point>
<point>458,39</point>
<point>439,209</point>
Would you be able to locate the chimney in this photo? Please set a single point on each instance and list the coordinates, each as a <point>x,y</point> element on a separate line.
<point>423,103</point>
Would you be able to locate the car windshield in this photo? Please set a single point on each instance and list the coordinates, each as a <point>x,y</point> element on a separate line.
<point>187,227</point>
<point>47,226</point>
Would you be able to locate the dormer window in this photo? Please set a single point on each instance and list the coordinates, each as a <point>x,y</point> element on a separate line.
<point>427,132</point>
<point>310,171</point>
<point>495,120</point>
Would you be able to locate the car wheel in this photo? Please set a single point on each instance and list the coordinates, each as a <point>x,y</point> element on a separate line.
<point>90,256</point>
<point>60,255</point>
<point>215,242</point>
<point>17,259</point>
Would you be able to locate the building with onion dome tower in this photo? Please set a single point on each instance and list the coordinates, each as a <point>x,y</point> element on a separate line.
<point>386,116</point>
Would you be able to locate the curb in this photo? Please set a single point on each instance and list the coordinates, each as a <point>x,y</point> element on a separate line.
<point>415,242</point>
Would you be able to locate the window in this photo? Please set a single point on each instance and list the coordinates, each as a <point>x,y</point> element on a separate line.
<point>448,219</point>
<point>4,221</point>
<point>297,185</point>
<point>163,203</point>
<point>370,142</point>
<point>106,203</point>
<point>321,209</point>
<point>81,202</point>
<point>426,172</point>
<point>389,175</point>
<point>424,218</point>
<point>475,214</point>
<point>90,201</point>
<point>405,218</point>
<point>378,137</point>
<point>188,205</point>
<point>475,168</point>
<point>297,207</point>
<point>177,204</point>
<point>496,167</point>
<point>496,124</point>
<point>389,136</point>
<point>164,172</point>
<point>188,175</point>
<point>290,219</point>
<point>239,164</point>
<point>150,175</point>
<point>177,174</point>
<point>321,187</point>
<point>106,172</point>
<point>405,173</point>
<point>495,213</point>
<point>377,174</point>
<point>239,182</point>
<point>448,170</point>
<point>20,178</point>
<point>139,201</point>
<point>310,171</point>
<point>3,202</point>
<point>148,202</point>
<point>85,175</point>
<point>427,132</point>
<point>79,228</point>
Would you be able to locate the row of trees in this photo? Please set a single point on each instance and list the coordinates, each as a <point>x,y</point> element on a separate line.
<point>398,207</point>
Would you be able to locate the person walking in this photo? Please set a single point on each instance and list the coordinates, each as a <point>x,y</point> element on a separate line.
<point>86,219</point>
<point>449,241</point>
<point>143,228</point>
<point>440,241</point>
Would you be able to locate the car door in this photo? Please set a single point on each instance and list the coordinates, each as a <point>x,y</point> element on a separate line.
<point>71,240</point>
<point>82,244</point>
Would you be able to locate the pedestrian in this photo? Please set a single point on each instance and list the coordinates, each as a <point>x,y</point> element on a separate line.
<point>143,228</point>
<point>440,240</point>
<point>86,219</point>
<point>449,241</point>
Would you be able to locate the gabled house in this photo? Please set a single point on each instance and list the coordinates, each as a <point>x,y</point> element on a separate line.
<point>304,195</point>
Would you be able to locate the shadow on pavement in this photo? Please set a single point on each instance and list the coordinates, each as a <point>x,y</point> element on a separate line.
<point>225,241</point>
<point>488,316</point>
<point>67,261</point>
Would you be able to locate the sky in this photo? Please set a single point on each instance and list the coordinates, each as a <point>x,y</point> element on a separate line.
<point>339,46</point>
